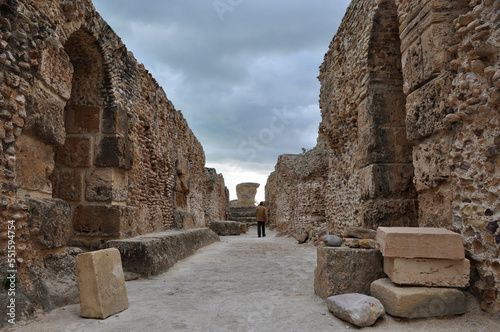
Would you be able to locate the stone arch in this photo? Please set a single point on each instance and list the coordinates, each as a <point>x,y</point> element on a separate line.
<point>386,167</point>
<point>91,166</point>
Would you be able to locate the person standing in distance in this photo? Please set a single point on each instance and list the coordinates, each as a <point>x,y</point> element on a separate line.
<point>261,216</point>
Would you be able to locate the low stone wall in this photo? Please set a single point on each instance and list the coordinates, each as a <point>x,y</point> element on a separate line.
<point>226,227</point>
<point>155,253</point>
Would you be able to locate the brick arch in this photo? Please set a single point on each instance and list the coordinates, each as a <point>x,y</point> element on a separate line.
<point>91,167</point>
<point>385,154</point>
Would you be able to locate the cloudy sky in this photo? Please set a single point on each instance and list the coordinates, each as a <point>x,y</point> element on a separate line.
<point>243,72</point>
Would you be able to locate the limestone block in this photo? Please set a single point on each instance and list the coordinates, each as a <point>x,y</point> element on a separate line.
<point>420,242</point>
<point>101,283</point>
<point>74,153</point>
<point>358,309</point>
<point>342,270</point>
<point>225,227</point>
<point>360,233</point>
<point>106,185</point>
<point>383,145</point>
<point>82,119</point>
<point>428,272</point>
<point>103,220</point>
<point>114,151</point>
<point>115,121</point>
<point>49,222</point>
<point>389,212</point>
<point>34,162</point>
<point>385,107</point>
<point>418,302</point>
<point>246,193</point>
<point>56,70</point>
<point>387,181</point>
<point>435,209</point>
<point>68,185</point>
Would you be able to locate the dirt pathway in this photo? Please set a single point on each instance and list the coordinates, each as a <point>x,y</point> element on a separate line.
<point>242,283</point>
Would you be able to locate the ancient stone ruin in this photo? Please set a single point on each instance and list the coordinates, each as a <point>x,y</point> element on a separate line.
<point>92,149</point>
<point>410,131</point>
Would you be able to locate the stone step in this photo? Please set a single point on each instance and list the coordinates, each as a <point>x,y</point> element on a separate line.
<point>420,242</point>
<point>225,227</point>
<point>418,302</point>
<point>428,272</point>
<point>239,214</point>
<point>153,254</point>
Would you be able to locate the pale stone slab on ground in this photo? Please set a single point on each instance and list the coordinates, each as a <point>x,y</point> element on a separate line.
<point>428,271</point>
<point>358,309</point>
<point>225,227</point>
<point>101,283</point>
<point>343,270</point>
<point>418,302</point>
<point>420,242</point>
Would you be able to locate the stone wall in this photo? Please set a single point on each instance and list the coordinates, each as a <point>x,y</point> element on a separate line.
<point>91,150</point>
<point>410,99</point>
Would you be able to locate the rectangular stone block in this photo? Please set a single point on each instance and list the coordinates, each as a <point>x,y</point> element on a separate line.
<point>342,270</point>
<point>49,221</point>
<point>386,106</point>
<point>68,185</point>
<point>114,151</point>
<point>389,213</point>
<point>383,145</point>
<point>418,302</point>
<point>82,119</point>
<point>387,181</point>
<point>74,153</point>
<point>115,121</point>
<point>101,283</point>
<point>102,220</point>
<point>427,271</point>
<point>34,161</point>
<point>420,242</point>
<point>56,70</point>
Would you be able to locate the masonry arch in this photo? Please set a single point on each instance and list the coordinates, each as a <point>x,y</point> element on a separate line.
<point>386,167</point>
<point>91,167</point>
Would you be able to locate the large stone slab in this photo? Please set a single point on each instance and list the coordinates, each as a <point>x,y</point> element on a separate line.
<point>101,283</point>
<point>225,227</point>
<point>49,221</point>
<point>420,242</point>
<point>418,302</point>
<point>153,254</point>
<point>358,309</point>
<point>246,193</point>
<point>428,272</point>
<point>342,270</point>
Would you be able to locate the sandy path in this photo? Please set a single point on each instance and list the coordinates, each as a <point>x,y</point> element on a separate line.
<point>242,283</point>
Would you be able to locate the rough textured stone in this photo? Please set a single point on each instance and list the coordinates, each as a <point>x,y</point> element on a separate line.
<point>246,193</point>
<point>420,242</point>
<point>418,302</point>
<point>360,233</point>
<point>114,152</point>
<point>331,240</point>
<point>225,227</point>
<point>428,272</point>
<point>155,253</point>
<point>344,270</point>
<point>102,220</point>
<point>49,221</point>
<point>101,283</point>
<point>358,309</point>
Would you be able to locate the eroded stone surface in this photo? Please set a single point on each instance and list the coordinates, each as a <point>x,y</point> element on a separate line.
<point>226,227</point>
<point>246,193</point>
<point>358,309</point>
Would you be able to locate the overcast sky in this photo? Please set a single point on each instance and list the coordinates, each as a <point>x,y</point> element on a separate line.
<point>243,72</point>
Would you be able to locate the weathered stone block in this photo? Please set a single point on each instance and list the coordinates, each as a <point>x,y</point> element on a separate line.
<point>49,222</point>
<point>389,212</point>
<point>102,220</point>
<point>383,145</point>
<point>74,153</point>
<point>344,270</point>
<point>387,181</point>
<point>246,193</point>
<point>385,107</point>
<point>56,70</point>
<point>69,185</point>
<point>426,108</point>
<point>358,309</point>
<point>99,185</point>
<point>35,161</point>
<point>225,227</point>
<point>420,242</point>
<point>45,116</point>
<point>360,233</point>
<point>82,119</point>
<point>115,121</point>
<point>435,208</point>
<point>418,302</point>
<point>114,151</point>
<point>155,253</point>
<point>427,272</point>
<point>101,283</point>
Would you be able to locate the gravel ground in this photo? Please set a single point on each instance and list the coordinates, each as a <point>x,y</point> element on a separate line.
<point>242,283</point>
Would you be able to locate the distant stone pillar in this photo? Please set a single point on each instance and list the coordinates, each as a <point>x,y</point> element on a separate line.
<point>246,193</point>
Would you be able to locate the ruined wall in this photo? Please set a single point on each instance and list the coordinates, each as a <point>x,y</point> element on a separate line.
<point>410,104</point>
<point>91,147</point>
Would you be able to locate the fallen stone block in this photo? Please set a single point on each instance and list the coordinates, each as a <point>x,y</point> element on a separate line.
<point>331,240</point>
<point>343,270</point>
<point>360,233</point>
<point>352,242</point>
<point>101,283</point>
<point>420,242</point>
<point>428,272</point>
<point>153,254</point>
<point>418,302</point>
<point>358,309</point>
<point>225,227</point>
<point>243,228</point>
<point>367,243</point>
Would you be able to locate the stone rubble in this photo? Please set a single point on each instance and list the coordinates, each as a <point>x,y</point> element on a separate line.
<point>358,309</point>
